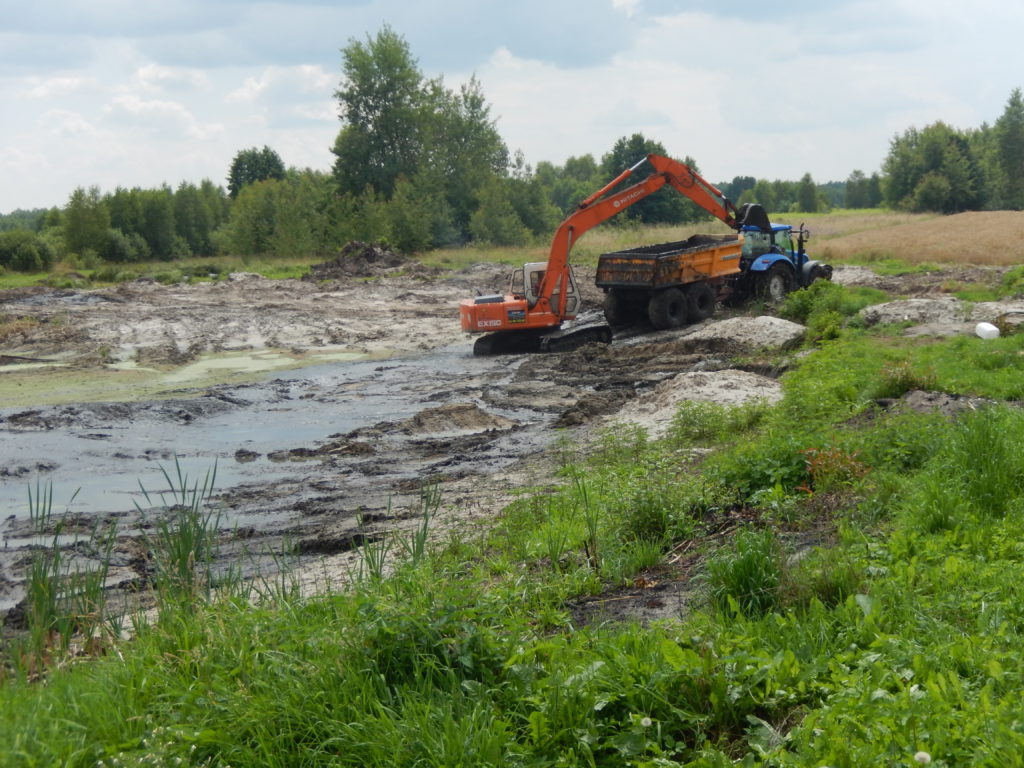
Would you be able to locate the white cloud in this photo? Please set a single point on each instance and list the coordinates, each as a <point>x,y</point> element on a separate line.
<point>285,83</point>
<point>55,87</point>
<point>61,122</point>
<point>139,94</point>
<point>629,7</point>
<point>154,77</point>
<point>168,119</point>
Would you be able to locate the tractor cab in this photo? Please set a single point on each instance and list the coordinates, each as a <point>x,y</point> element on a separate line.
<point>778,239</point>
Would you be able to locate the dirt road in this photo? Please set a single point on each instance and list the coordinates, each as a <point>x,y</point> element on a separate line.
<point>324,405</point>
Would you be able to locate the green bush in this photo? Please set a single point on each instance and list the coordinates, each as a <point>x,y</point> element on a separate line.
<point>824,326</point>
<point>646,515</point>
<point>1012,283</point>
<point>776,458</point>
<point>124,249</point>
<point>830,575</point>
<point>826,308</point>
<point>169,276</point>
<point>24,251</point>
<point>700,422</point>
<point>899,377</point>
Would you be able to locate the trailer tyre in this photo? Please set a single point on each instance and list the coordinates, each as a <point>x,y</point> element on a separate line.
<point>619,309</point>
<point>701,299</point>
<point>774,284</point>
<point>668,309</point>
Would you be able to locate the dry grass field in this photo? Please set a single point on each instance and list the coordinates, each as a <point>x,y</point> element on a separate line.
<point>983,238</point>
<point>990,238</point>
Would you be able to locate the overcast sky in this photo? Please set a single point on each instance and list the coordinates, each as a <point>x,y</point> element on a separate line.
<point>146,92</point>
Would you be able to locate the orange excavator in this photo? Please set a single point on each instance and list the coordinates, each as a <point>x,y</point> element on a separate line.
<point>543,296</point>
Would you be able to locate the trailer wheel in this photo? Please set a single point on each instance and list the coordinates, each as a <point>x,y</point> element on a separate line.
<point>774,284</point>
<point>620,309</point>
<point>701,298</point>
<point>668,309</point>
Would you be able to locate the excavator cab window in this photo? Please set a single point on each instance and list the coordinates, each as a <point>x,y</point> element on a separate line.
<point>516,286</point>
<point>536,276</point>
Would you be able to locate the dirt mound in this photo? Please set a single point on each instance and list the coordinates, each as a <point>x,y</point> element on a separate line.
<point>917,284</point>
<point>730,335</point>
<point>457,417</point>
<point>947,309</point>
<point>358,259</point>
<point>921,401</point>
<point>654,410</point>
<point>751,333</point>
<point>945,315</point>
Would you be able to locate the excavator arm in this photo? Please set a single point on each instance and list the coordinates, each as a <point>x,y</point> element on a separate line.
<point>601,206</point>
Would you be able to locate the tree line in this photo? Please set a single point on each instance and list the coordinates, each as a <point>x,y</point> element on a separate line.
<point>420,165</point>
<point>939,168</point>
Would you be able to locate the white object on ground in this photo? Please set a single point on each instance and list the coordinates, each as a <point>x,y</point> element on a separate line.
<point>986,331</point>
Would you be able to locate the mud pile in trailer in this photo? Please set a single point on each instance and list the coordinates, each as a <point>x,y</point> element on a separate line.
<point>325,405</point>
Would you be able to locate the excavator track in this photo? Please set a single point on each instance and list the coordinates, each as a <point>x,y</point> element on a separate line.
<point>523,342</point>
<point>566,341</point>
<point>506,343</point>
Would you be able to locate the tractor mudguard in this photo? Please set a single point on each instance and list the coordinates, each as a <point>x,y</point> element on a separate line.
<point>766,261</point>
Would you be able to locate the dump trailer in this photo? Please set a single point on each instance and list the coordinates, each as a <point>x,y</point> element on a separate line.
<point>672,284</point>
<point>669,283</point>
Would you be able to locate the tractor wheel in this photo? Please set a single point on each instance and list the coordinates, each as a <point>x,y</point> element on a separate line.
<point>774,284</point>
<point>620,308</point>
<point>701,298</point>
<point>668,309</point>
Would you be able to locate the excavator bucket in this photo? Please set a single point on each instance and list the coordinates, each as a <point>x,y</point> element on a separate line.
<point>754,215</point>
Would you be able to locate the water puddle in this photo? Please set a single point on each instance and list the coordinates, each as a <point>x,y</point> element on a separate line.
<point>35,384</point>
<point>103,454</point>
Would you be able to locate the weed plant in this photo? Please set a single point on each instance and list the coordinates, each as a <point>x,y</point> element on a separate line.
<point>746,578</point>
<point>65,598</point>
<point>186,533</point>
<point>824,296</point>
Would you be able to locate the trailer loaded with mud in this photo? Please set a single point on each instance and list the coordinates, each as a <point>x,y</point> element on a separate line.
<point>672,284</point>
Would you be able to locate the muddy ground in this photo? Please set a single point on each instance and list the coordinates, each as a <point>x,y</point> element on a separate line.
<point>328,404</point>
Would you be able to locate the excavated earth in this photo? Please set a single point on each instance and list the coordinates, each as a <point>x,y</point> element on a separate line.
<point>322,409</point>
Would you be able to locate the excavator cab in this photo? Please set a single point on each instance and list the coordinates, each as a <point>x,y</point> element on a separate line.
<point>525,282</point>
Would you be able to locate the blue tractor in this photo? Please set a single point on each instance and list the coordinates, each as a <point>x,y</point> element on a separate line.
<point>774,261</point>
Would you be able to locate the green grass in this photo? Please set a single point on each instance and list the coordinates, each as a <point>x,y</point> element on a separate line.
<point>168,272</point>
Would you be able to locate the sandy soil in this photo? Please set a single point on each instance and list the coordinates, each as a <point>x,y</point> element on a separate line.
<point>477,430</point>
